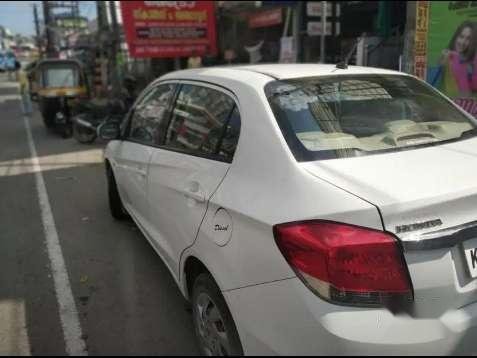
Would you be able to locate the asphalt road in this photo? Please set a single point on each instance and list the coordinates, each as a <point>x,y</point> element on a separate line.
<point>126,301</point>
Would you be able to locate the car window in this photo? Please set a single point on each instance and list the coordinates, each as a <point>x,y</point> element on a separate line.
<point>150,116</point>
<point>229,141</point>
<point>205,122</point>
<point>355,115</point>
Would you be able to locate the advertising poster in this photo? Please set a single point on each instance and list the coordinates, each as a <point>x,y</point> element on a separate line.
<point>452,51</point>
<point>169,29</point>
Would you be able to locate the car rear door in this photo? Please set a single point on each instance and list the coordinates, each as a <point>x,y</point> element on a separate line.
<point>134,152</point>
<point>190,164</point>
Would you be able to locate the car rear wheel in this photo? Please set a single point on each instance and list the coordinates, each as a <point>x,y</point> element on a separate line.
<point>213,323</point>
<point>115,204</point>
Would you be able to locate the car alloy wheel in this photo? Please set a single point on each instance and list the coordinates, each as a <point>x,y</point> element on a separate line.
<point>211,327</point>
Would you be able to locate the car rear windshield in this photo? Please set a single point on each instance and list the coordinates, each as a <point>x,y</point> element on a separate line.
<point>348,116</point>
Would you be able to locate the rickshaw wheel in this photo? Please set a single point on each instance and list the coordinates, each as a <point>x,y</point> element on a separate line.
<point>67,131</point>
<point>48,120</point>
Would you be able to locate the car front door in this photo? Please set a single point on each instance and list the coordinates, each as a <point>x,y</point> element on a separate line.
<point>134,152</point>
<point>189,165</point>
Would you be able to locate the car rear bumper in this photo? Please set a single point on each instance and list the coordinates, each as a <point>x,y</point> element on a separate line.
<point>285,318</point>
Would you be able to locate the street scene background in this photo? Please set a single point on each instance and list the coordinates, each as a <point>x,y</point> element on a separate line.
<point>126,300</point>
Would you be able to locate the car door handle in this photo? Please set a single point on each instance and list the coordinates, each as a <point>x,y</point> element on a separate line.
<point>141,173</point>
<point>194,191</point>
<point>135,170</point>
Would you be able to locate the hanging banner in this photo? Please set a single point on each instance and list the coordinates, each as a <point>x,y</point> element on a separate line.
<point>420,40</point>
<point>287,50</point>
<point>451,51</point>
<point>169,29</point>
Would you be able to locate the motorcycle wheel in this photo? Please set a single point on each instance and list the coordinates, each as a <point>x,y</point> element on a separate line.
<point>83,135</point>
<point>67,131</point>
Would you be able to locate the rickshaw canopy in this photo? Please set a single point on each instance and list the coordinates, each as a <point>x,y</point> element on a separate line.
<point>60,78</point>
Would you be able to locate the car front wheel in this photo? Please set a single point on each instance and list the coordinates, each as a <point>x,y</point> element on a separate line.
<point>213,323</point>
<point>115,204</point>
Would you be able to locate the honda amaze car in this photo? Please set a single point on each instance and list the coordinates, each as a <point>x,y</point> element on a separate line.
<point>306,209</point>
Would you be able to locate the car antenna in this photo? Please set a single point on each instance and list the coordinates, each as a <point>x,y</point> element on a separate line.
<point>343,65</point>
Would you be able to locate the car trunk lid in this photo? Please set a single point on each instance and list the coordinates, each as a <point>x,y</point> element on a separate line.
<point>427,197</point>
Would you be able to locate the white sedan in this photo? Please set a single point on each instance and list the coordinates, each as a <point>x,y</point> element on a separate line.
<point>306,209</point>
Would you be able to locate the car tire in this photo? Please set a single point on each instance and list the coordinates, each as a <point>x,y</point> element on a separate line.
<point>116,207</point>
<point>214,326</point>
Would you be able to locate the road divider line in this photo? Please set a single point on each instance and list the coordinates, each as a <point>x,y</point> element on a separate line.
<point>70,323</point>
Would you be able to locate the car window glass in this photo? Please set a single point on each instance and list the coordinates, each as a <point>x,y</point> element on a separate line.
<point>356,115</point>
<point>150,116</point>
<point>200,120</point>
<point>230,139</point>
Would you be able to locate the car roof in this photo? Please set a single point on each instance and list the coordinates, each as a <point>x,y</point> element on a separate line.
<point>273,71</point>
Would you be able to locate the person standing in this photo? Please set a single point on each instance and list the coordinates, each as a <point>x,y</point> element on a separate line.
<point>195,61</point>
<point>25,92</point>
<point>10,65</point>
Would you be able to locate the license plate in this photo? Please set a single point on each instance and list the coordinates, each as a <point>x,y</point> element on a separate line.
<point>471,256</point>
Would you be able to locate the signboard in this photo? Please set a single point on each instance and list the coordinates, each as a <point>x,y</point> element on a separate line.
<point>315,28</point>
<point>265,18</point>
<point>420,40</point>
<point>71,23</point>
<point>313,8</point>
<point>169,29</point>
<point>448,55</point>
<point>287,50</point>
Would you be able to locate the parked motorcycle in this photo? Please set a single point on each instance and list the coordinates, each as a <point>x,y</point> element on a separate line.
<point>92,115</point>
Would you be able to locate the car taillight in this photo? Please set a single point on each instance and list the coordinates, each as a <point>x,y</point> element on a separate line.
<point>346,264</point>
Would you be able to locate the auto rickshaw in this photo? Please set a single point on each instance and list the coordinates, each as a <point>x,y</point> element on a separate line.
<point>56,85</point>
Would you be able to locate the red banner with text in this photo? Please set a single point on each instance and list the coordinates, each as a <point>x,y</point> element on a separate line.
<point>169,29</point>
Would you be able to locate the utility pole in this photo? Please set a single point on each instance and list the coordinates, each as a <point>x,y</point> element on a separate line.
<point>323,32</point>
<point>101,68</point>
<point>297,26</point>
<point>50,46</point>
<point>37,29</point>
<point>114,45</point>
<point>101,15</point>
<point>63,29</point>
<point>76,15</point>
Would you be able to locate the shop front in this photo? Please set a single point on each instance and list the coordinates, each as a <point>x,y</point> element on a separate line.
<point>253,34</point>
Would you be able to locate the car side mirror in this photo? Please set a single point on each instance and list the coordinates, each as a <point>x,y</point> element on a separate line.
<point>109,131</point>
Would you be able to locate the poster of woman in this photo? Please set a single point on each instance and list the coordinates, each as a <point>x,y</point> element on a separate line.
<point>456,75</point>
<point>452,52</point>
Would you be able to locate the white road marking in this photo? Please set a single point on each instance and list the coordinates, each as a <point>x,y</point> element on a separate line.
<point>51,162</point>
<point>72,333</point>
<point>13,331</point>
